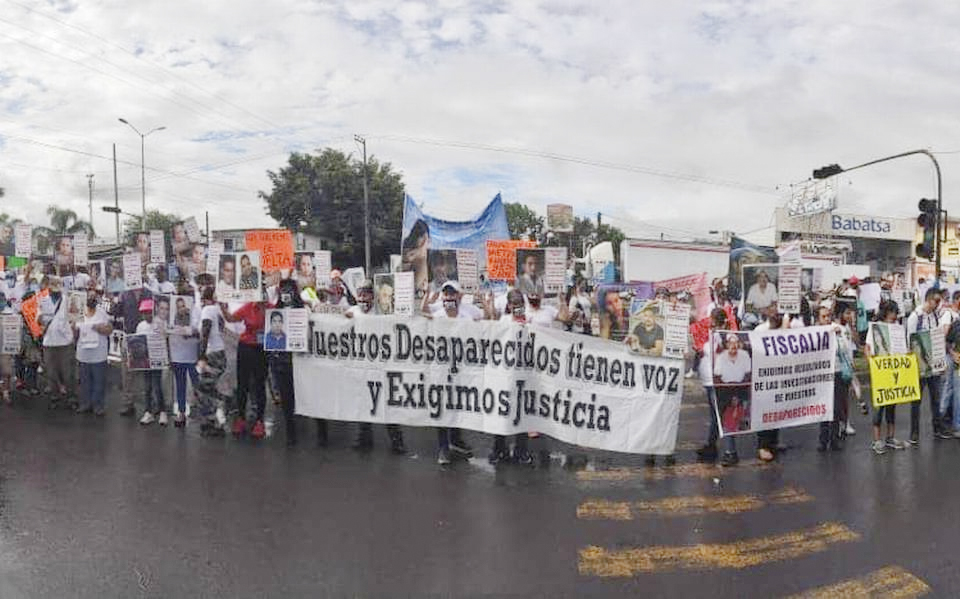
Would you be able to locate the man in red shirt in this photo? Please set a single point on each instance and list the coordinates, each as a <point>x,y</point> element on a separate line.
<point>251,368</point>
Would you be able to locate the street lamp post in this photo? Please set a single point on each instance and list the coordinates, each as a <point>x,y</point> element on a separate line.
<point>836,169</point>
<point>366,207</point>
<point>143,174</point>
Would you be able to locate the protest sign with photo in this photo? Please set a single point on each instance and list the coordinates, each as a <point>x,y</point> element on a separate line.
<point>117,343</point>
<point>930,347</point>
<point>554,269</point>
<point>442,267</point>
<point>383,293</point>
<point>790,289</point>
<point>81,250</point>
<point>404,294</point>
<point>647,335</point>
<point>63,257</point>
<point>491,377</point>
<point>304,272</point>
<point>23,240</point>
<point>113,279</point>
<point>214,249</point>
<point>613,308</point>
<point>76,301</point>
<point>146,351</point>
<point>885,339</point>
<point>8,245</point>
<point>239,277</point>
<point>760,282</point>
<point>10,333</point>
<point>275,247</point>
<point>30,310</point>
<point>531,265</point>
<point>352,278</point>
<point>696,285</point>
<point>181,313</point>
<point>162,310</point>
<point>158,249</point>
<point>773,379</point>
<point>468,271</point>
<point>287,329</point>
<point>502,258</point>
<point>742,252</point>
<point>141,246</point>
<point>132,271</point>
<point>192,230</point>
<point>322,265</point>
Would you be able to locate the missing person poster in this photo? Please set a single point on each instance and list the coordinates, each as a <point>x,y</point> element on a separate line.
<point>146,352</point>
<point>76,302</point>
<point>81,250</point>
<point>132,271</point>
<point>442,267</point>
<point>788,296</point>
<point>10,333</point>
<point>181,312</point>
<point>555,269</point>
<point>192,230</point>
<point>404,294</point>
<point>676,320</point>
<point>162,310</point>
<point>468,272</point>
<point>287,330</point>
<point>773,379</point>
<point>322,265</point>
<point>887,338</point>
<point>492,377</point>
<point>117,344</point>
<point>214,249</point>
<point>760,284</point>
<point>239,277</point>
<point>158,249</point>
<point>383,291</point>
<point>930,347</point>
<point>23,240</point>
<point>647,336</point>
<point>304,272</point>
<point>502,258</point>
<point>531,264</point>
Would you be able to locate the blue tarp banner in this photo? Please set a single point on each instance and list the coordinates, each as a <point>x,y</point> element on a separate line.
<point>448,235</point>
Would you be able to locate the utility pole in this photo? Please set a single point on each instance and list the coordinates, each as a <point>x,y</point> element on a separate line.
<point>90,188</point>
<point>598,221</point>
<point>116,193</point>
<point>366,207</point>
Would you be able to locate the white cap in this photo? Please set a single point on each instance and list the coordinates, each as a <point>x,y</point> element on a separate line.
<point>451,284</point>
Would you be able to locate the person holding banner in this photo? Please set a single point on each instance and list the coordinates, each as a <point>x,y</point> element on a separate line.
<point>450,439</point>
<point>887,313</point>
<point>154,409</point>
<point>58,347</point>
<point>925,318</point>
<point>251,368</point>
<point>93,335</point>
<point>708,453</point>
<point>364,441</point>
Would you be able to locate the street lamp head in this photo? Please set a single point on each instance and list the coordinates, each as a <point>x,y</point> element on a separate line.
<point>827,171</point>
<point>124,121</point>
<point>110,209</point>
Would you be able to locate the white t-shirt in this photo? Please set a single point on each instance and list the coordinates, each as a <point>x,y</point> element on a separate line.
<point>213,314</point>
<point>706,364</point>
<point>58,331</point>
<point>91,345</point>
<point>461,313</point>
<point>732,370</point>
<point>544,316</point>
<point>357,312</point>
<point>760,298</point>
<point>81,280</point>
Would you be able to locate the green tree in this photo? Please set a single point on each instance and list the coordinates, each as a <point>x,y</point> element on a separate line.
<point>322,194</point>
<point>585,230</point>
<point>62,222</point>
<point>523,222</point>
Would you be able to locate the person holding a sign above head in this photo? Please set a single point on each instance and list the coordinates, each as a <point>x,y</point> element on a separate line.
<point>450,439</point>
<point>249,274</point>
<point>154,409</point>
<point>762,294</point>
<point>364,442</point>
<point>887,313</point>
<point>924,320</point>
<point>93,339</point>
<point>251,368</point>
<point>58,348</point>
<point>226,282</point>
<point>211,364</point>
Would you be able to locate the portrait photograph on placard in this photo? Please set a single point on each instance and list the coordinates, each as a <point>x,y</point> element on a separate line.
<point>181,311</point>
<point>95,268</point>
<point>276,336</point>
<point>383,287</point>
<point>138,352</point>
<point>303,272</point>
<point>63,257</point>
<point>8,240</point>
<point>114,281</point>
<point>732,358</point>
<point>161,309</point>
<point>646,336</point>
<point>442,267</point>
<point>760,287</point>
<point>249,275</point>
<point>531,266</point>
<point>141,245</point>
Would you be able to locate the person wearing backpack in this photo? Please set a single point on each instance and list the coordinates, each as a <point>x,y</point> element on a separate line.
<point>58,346</point>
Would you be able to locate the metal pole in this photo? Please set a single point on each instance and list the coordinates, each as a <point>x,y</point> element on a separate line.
<point>143,184</point>
<point>90,188</point>
<point>116,193</point>
<point>366,207</point>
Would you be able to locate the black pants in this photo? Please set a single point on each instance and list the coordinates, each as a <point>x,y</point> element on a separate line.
<point>445,436</point>
<point>932,385</point>
<point>282,367</point>
<point>252,370</point>
<point>519,440</point>
<point>830,431</point>
<point>890,412</point>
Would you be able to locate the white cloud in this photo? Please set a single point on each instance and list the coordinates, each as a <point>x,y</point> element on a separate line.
<point>758,93</point>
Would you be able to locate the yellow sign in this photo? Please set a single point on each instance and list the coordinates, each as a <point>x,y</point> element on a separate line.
<point>894,379</point>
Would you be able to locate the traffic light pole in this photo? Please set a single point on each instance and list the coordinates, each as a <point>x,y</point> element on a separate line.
<point>835,169</point>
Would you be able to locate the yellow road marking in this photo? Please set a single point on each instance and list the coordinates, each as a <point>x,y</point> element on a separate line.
<point>697,470</point>
<point>597,561</point>
<point>693,406</point>
<point>892,582</point>
<point>600,509</point>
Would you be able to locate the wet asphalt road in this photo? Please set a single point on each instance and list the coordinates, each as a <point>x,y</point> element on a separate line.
<point>107,508</point>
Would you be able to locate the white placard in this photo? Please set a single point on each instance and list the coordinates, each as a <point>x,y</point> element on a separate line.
<point>214,249</point>
<point>468,273</point>
<point>287,329</point>
<point>23,240</point>
<point>81,250</point>
<point>403,293</point>
<point>322,264</point>
<point>555,269</point>
<point>192,229</point>
<point>10,332</point>
<point>676,329</point>
<point>789,294</point>
<point>132,271</point>
<point>158,250</point>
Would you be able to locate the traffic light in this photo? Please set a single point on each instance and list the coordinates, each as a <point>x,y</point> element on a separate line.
<point>927,220</point>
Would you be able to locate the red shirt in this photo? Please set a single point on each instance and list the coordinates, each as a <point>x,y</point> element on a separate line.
<point>252,316</point>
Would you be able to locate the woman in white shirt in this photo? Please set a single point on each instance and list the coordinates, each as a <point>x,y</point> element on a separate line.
<point>184,352</point>
<point>93,339</point>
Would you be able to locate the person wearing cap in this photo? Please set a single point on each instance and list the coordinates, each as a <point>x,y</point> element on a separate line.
<point>93,340</point>
<point>251,368</point>
<point>449,439</point>
<point>58,347</point>
<point>364,441</point>
<point>154,409</point>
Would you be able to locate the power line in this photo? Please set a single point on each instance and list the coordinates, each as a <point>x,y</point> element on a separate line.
<point>584,161</point>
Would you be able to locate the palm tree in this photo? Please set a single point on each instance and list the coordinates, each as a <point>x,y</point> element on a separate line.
<point>62,222</point>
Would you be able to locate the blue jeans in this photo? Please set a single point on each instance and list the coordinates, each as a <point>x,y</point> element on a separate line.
<point>93,382</point>
<point>729,441</point>
<point>180,372</point>
<point>948,389</point>
<point>153,390</point>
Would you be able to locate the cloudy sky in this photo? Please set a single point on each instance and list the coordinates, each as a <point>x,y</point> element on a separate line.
<point>673,117</point>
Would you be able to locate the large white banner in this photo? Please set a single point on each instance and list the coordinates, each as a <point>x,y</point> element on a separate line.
<point>495,377</point>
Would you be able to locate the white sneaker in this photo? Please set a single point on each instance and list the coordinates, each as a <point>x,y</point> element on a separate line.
<point>850,429</point>
<point>147,418</point>
<point>221,416</point>
<point>162,419</point>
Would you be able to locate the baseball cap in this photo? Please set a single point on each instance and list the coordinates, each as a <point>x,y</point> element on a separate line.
<point>146,305</point>
<point>454,285</point>
<point>853,280</point>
